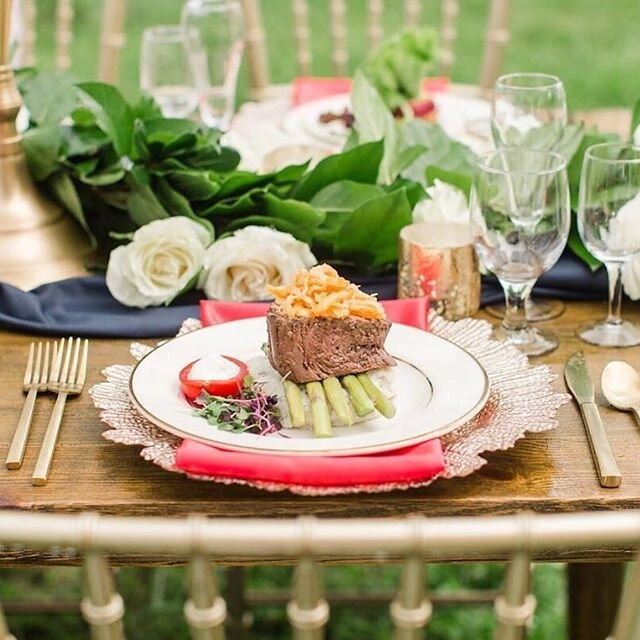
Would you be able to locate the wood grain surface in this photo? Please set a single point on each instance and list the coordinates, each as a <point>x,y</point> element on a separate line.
<point>550,472</point>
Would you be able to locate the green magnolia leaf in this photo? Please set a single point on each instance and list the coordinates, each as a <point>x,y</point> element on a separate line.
<point>246,204</point>
<point>126,236</point>
<point>177,205</point>
<point>41,146</point>
<point>267,221</point>
<point>360,164</point>
<point>49,97</point>
<point>85,166</point>
<point>577,246</point>
<point>113,114</point>
<point>83,141</point>
<point>299,213</point>
<point>196,186</point>
<point>104,178</point>
<point>143,206</point>
<point>64,191</point>
<point>225,159</point>
<point>441,151</point>
<point>413,190</point>
<point>83,117</point>
<point>345,195</point>
<point>374,121</point>
<point>369,237</point>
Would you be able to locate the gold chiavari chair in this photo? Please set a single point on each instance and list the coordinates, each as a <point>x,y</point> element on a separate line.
<point>307,542</point>
<point>496,39</point>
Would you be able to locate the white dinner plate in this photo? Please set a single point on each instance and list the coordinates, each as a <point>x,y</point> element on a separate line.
<point>437,385</point>
<point>465,119</point>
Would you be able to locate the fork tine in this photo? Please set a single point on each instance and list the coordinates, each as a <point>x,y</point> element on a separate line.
<point>67,359</point>
<point>82,372</point>
<point>29,369</point>
<point>35,376</point>
<point>44,373</point>
<point>73,371</point>
<point>58,348</point>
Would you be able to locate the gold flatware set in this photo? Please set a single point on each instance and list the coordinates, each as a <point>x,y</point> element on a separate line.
<point>60,368</point>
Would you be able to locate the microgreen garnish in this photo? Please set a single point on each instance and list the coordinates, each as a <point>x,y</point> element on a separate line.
<point>254,411</point>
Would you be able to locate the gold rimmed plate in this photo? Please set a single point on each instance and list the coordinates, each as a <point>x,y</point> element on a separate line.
<point>437,387</point>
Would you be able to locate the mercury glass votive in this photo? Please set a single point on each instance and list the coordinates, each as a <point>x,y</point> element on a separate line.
<point>437,260</point>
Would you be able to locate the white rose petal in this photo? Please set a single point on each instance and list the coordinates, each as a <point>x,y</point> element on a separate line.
<point>241,266</point>
<point>631,278</point>
<point>447,203</point>
<point>159,262</point>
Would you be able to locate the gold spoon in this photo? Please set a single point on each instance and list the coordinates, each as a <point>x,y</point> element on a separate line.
<point>621,386</point>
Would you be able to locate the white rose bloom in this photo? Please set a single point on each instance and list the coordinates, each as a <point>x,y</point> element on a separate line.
<point>158,263</point>
<point>241,266</point>
<point>447,203</point>
<point>636,136</point>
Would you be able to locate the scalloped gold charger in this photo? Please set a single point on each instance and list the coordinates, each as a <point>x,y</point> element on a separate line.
<point>521,400</point>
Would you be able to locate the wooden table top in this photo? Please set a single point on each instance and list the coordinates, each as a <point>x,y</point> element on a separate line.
<point>549,472</point>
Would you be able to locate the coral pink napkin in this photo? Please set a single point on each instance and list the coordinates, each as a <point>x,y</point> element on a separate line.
<point>307,88</point>
<point>411,464</point>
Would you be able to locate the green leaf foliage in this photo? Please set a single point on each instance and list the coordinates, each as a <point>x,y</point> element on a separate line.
<point>369,237</point>
<point>41,146</point>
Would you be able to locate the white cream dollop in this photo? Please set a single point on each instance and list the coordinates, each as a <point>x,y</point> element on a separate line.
<point>447,203</point>
<point>213,367</point>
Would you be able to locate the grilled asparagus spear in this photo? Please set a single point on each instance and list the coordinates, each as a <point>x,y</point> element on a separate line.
<point>319,410</point>
<point>361,402</point>
<point>294,402</point>
<point>338,400</point>
<point>381,402</point>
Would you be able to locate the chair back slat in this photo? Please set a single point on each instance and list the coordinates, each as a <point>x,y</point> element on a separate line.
<point>102,607</point>
<point>256,48</point>
<point>412,9</point>
<point>64,34</point>
<point>205,611</point>
<point>308,611</point>
<point>496,39</point>
<point>111,40</point>
<point>27,56</point>
<point>514,608</point>
<point>375,30</point>
<point>339,52</point>
<point>411,610</point>
<point>450,9</point>
<point>4,627</point>
<point>627,624</point>
<point>301,36</point>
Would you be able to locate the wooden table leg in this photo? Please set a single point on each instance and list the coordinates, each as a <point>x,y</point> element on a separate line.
<point>594,591</point>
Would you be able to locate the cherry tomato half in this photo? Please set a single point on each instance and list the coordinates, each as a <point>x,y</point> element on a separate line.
<point>227,388</point>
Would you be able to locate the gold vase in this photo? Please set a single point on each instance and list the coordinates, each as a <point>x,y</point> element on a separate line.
<point>38,241</point>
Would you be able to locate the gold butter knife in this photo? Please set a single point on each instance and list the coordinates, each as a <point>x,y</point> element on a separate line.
<point>579,382</point>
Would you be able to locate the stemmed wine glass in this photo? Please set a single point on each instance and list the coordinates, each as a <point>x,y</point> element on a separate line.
<point>214,34</point>
<point>166,72</point>
<point>609,225</point>
<point>520,216</point>
<point>529,110</point>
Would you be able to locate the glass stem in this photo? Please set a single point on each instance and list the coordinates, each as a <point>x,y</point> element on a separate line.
<point>515,316</point>
<point>614,271</point>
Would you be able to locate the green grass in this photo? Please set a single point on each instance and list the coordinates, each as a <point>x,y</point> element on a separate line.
<point>592,46</point>
<point>154,600</point>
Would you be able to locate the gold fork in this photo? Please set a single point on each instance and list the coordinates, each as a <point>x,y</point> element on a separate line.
<point>68,376</point>
<point>36,378</point>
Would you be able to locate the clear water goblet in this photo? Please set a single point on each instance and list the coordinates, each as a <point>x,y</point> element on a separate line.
<point>529,110</point>
<point>609,225</point>
<point>520,214</point>
<point>166,72</point>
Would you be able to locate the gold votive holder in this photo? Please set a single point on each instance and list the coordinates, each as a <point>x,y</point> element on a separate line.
<point>437,260</point>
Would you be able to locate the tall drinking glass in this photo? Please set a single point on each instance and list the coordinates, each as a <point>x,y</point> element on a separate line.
<point>520,213</point>
<point>609,224</point>
<point>215,38</point>
<point>166,72</point>
<point>529,110</point>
